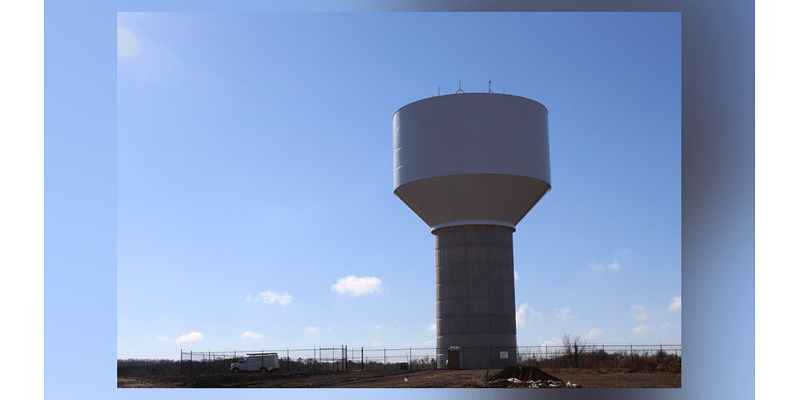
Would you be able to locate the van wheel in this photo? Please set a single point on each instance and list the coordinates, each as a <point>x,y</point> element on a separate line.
<point>263,370</point>
<point>236,370</point>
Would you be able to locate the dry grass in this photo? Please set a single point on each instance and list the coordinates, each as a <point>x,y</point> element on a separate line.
<point>400,379</point>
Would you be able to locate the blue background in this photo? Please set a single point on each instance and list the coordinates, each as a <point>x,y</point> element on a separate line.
<point>718,253</point>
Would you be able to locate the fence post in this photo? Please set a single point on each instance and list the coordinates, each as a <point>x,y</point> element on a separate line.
<point>576,355</point>
<point>362,358</point>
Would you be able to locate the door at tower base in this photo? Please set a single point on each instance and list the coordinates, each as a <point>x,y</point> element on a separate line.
<point>477,358</point>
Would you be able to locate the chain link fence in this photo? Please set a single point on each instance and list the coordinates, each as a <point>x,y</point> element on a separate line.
<point>344,358</point>
<point>600,355</point>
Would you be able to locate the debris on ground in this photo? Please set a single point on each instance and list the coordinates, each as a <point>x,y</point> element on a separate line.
<point>524,374</point>
<point>531,377</point>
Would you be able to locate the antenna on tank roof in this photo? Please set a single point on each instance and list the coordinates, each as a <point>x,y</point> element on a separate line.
<point>459,88</point>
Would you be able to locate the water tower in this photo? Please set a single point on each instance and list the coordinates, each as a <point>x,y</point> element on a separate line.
<point>471,165</point>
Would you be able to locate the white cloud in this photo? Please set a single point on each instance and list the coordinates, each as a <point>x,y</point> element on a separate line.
<point>615,264</point>
<point>377,327</point>
<point>376,343</point>
<point>432,328</point>
<point>251,335</point>
<point>159,337</point>
<point>551,342</point>
<point>643,329</point>
<point>666,325</point>
<point>637,312</point>
<point>429,342</point>
<point>521,311</point>
<point>563,313</point>
<point>353,286</point>
<point>516,275</point>
<point>270,297</point>
<point>312,329</point>
<point>676,304</point>
<point>593,333</point>
<point>190,337</point>
<point>524,310</point>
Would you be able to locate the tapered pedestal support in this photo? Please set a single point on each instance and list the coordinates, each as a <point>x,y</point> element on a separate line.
<point>475,309</point>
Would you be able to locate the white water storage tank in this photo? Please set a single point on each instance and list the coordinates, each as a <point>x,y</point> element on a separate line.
<point>472,158</point>
<point>471,166</point>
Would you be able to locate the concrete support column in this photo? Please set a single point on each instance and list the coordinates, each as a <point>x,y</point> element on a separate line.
<point>475,308</point>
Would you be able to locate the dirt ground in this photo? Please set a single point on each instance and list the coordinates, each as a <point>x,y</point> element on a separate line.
<point>596,379</point>
<point>398,379</point>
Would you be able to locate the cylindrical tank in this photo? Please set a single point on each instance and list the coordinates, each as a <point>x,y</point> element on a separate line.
<point>471,166</point>
<point>473,158</point>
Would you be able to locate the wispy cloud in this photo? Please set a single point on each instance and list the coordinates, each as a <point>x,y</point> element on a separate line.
<point>643,329</point>
<point>516,275</point>
<point>311,329</point>
<point>355,287</point>
<point>551,342</point>
<point>564,313</point>
<point>614,265</point>
<point>637,312</point>
<point>522,311</point>
<point>593,333</point>
<point>159,337</point>
<point>432,328</point>
<point>271,297</point>
<point>251,335</point>
<point>676,304</point>
<point>190,337</point>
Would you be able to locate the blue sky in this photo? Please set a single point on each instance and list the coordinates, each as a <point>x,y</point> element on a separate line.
<point>255,205</point>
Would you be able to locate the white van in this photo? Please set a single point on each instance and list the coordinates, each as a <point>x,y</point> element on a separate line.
<point>257,362</point>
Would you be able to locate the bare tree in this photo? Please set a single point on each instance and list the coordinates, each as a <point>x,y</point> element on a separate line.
<point>573,347</point>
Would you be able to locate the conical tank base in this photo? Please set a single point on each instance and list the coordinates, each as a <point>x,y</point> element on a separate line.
<point>475,315</point>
